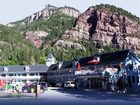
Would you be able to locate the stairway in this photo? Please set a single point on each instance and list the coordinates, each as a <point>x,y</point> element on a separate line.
<point>116,76</point>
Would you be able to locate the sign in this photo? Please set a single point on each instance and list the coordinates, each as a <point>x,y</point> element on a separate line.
<point>84,72</point>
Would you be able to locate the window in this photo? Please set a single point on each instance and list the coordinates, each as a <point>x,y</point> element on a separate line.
<point>3,75</point>
<point>23,74</point>
<point>32,74</point>
<point>139,67</point>
<point>10,74</point>
<point>130,66</point>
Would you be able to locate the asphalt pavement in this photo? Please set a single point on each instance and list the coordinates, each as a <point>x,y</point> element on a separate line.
<point>62,96</point>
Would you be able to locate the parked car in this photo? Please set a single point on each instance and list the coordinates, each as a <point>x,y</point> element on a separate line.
<point>43,86</point>
<point>69,84</point>
<point>59,84</point>
<point>28,88</point>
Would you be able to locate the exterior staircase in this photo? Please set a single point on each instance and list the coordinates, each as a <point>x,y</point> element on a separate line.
<point>116,76</point>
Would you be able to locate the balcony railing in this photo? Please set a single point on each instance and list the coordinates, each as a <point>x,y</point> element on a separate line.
<point>36,77</point>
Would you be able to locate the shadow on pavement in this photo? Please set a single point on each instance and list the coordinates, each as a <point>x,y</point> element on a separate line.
<point>98,95</point>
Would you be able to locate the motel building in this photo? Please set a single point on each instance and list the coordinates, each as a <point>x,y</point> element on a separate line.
<point>21,74</point>
<point>107,71</point>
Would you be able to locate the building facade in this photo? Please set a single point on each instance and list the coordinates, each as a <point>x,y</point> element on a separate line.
<point>26,73</point>
<point>61,72</point>
<point>23,73</point>
<point>107,71</point>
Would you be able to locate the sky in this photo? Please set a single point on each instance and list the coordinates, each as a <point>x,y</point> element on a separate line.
<point>13,10</point>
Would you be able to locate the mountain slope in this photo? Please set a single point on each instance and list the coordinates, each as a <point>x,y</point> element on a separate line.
<point>14,49</point>
<point>101,28</point>
<point>54,27</point>
<point>105,27</point>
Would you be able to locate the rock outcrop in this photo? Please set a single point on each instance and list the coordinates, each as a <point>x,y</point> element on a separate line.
<point>35,37</point>
<point>97,25</point>
<point>3,43</point>
<point>49,10</point>
<point>69,11</point>
<point>106,27</point>
<point>69,44</point>
<point>46,13</point>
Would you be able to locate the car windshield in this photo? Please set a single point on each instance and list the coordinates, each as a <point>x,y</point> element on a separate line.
<point>72,82</point>
<point>42,84</point>
<point>67,83</point>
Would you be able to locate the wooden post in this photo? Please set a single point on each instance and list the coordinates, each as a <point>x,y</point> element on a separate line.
<point>89,83</point>
<point>37,90</point>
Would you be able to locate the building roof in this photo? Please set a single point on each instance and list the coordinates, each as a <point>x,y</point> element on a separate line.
<point>22,69</point>
<point>67,64</point>
<point>113,57</point>
<point>38,68</point>
<point>106,58</point>
<point>53,67</point>
<point>84,61</point>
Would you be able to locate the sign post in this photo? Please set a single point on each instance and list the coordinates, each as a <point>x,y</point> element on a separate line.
<point>37,90</point>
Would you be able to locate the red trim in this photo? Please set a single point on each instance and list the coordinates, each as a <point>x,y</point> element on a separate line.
<point>78,67</point>
<point>93,61</point>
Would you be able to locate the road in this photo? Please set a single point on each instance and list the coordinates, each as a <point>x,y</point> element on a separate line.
<point>61,96</point>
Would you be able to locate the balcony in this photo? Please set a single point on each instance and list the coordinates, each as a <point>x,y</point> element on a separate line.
<point>28,77</point>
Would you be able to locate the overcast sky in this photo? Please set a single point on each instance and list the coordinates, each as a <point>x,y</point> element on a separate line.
<point>13,10</point>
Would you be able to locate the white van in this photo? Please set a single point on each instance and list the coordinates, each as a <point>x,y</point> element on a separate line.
<point>69,84</point>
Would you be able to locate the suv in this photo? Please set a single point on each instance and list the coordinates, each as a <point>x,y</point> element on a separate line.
<point>69,84</point>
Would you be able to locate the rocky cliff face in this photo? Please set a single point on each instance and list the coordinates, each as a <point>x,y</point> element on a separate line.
<point>46,13</point>
<point>106,27</point>
<point>49,10</point>
<point>97,25</point>
<point>69,44</point>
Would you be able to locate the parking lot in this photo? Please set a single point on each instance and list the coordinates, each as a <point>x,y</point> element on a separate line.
<point>69,96</point>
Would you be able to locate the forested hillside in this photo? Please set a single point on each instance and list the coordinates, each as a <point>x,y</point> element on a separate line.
<point>68,37</point>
